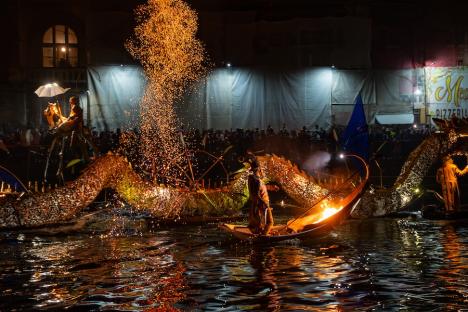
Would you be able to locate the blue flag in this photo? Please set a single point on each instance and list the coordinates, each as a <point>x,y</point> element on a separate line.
<point>355,138</point>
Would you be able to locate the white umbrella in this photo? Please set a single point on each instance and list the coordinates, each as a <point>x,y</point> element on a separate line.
<point>50,90</point>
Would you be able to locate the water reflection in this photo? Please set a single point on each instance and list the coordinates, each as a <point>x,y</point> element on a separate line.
<point>132,273</point>
<point>454,272</point>
<point>363,265</point>
<point>265,264</point>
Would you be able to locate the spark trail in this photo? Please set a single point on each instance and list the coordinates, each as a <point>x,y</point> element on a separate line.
<point>165,44</point>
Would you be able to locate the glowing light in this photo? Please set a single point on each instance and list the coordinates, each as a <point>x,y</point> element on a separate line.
<point>228,64</point>
<point>327,213</point>
<point>63,49</point>
<point>165,43</point>
<point>405,199</point>
<point>282,203</point>
<point>314,218</point>
<point>417,190</point>
<point>415,126</point>
<point>418,91</point>
<point>341,155</point>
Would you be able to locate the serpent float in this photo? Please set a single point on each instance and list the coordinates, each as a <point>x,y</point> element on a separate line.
<point>114,171</point>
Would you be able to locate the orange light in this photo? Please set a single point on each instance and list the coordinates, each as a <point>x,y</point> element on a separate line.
<point>314,218</point>
<point>327,213</point>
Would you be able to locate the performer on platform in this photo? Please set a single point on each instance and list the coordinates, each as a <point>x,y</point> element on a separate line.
<point>74,126</point>
<point>75,119</point>
<point>447,177</point>
<point>260,212</point>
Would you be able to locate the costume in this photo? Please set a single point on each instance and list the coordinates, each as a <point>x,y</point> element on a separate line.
<point>447,178</point>
<point>74,121</point>
<point>260,213</point>
<point>53,115</point>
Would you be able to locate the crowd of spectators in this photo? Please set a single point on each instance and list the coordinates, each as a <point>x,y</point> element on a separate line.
<point>218,140</point>
<point>32,145</point>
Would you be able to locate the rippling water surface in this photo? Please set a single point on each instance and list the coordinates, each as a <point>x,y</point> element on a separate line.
<point>373,264</point>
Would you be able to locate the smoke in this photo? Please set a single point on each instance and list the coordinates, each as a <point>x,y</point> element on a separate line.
<point>317,161</point>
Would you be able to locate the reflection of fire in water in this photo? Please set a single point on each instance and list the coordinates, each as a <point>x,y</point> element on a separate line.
<point>142,270</point>
<point>453,273</point>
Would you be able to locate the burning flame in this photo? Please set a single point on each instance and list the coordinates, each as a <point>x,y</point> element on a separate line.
<point>326,213</point>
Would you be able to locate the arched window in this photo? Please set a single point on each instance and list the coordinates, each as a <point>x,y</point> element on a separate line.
<point>59,47</point>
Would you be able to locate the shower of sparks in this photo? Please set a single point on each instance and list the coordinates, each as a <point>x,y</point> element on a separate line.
<point>165,44</point>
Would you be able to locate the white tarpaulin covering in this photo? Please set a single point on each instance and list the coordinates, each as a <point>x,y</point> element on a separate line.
<point>395,119</point>
<point>396,90</point>
<point>114,93</point>
<point>260,98</point>
<point>227,98</point>
<point>347,84</point>
<point>257,97</point>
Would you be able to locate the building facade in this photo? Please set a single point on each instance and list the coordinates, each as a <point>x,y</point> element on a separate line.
<point>61,40</point>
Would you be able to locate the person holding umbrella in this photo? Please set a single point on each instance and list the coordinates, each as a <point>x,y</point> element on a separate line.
<point>63,128</point>
<point>53,112</point>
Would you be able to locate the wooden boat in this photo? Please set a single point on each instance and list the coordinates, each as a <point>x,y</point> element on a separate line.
<point>319,225</point>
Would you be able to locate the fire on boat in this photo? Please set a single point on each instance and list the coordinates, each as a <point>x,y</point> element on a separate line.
<point>326,213</point>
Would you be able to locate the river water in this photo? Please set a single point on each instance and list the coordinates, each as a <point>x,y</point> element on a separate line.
<point>127,264</point>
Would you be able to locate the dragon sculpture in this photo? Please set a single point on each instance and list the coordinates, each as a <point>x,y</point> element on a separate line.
<point>407,186</point>
<point>113,171</point>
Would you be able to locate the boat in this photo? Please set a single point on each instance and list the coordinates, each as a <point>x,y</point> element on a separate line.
<point>316,221</point>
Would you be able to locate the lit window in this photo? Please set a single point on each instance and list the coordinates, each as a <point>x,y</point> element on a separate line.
<point>59,47</point>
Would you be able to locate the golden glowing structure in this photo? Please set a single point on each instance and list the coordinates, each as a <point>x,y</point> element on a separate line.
<point>164,43</point>
<point>407,186</point>
<point>113,171</point>
<point>297,184</point>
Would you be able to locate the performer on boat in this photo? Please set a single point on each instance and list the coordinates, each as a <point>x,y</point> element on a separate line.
<point>447,177</point>
<point>260,212</point>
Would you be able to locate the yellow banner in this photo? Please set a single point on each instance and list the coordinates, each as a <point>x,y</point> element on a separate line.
<point>447,91</point>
